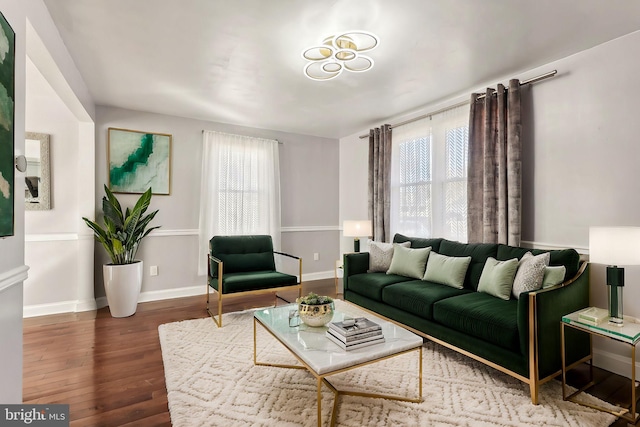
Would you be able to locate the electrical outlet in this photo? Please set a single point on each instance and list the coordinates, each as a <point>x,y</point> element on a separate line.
<point>316,256</point>
<point>153,270</point>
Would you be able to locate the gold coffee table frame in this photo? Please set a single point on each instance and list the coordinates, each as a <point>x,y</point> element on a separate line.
<point>322,378</point>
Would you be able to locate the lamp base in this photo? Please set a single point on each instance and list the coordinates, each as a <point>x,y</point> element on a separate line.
<point>615,304</point>
<point>616,321</point>
<point>356,245</point>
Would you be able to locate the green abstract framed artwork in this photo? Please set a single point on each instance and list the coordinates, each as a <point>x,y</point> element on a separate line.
<point>7,90</point>
<point>138,161</point>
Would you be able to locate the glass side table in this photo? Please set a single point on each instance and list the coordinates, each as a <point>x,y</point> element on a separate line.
<point>628,334</point>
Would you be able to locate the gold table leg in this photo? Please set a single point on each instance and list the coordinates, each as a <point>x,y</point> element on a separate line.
<point>626,414</point>
<point>321,379</point>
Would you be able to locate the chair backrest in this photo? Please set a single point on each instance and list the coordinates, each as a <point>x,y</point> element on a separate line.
<point>243,253</point>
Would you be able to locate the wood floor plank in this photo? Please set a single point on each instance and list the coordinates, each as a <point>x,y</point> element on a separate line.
<point>110,370</point>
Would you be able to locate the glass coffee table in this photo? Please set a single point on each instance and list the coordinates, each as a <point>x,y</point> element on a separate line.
<point>322,358</point>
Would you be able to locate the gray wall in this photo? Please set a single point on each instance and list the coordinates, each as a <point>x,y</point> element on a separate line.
<point>581,165</point>
<point>309,184</point>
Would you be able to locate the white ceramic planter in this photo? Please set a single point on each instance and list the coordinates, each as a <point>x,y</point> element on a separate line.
<point>122,283</point>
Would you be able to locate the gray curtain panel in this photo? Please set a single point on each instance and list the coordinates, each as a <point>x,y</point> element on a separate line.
<point>380,182</point>
<point>494,191</point>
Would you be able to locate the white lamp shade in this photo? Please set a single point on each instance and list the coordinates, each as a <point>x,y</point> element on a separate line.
<point>614,245</point>
<point>356,228</point>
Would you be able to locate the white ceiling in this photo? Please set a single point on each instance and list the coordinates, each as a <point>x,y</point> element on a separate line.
<point>240,61</point>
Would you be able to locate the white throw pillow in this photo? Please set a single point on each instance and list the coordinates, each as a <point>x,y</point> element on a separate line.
<point>530,273</point>
<point>380,255</point>
<point>447,270</point>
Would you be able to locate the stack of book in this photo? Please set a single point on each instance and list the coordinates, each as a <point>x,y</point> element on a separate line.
<point>593,316</point>
<point>355,333</point>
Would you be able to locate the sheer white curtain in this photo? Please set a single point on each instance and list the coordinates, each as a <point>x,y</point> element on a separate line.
<point>429,176</point>
<point>240,189</point>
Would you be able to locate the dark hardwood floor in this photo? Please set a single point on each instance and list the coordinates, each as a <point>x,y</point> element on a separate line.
<point>110,370</point>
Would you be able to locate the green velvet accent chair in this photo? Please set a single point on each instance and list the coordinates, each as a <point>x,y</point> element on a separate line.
<point>241,265</point>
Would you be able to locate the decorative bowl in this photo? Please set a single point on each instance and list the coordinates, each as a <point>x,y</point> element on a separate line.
<point>316,314</point>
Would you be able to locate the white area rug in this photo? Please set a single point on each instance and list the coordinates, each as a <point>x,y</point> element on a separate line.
<point>211,381</point>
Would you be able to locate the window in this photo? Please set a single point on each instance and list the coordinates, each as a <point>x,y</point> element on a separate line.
<point>240,189</point>
<point>429,176</point>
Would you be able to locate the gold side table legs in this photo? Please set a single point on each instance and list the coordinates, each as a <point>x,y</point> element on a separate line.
<point>628,415</point>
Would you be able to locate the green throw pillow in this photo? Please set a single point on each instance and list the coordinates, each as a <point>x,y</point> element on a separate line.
<point>497,277</point>
<point>447,270</point>
<point>553,276</point>
<point>408,262</point>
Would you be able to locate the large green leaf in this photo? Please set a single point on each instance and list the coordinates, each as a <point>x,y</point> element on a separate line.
<point>122,234</point>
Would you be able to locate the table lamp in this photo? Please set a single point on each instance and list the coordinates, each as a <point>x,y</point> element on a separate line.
<point>615,246</point>
<point>356,229</point>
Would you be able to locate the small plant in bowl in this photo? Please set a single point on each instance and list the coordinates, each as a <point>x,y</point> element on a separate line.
<point>315,310</point>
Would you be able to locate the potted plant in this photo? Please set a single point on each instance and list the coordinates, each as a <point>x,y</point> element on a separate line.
<point>315,310</point>
<point>121,236</point>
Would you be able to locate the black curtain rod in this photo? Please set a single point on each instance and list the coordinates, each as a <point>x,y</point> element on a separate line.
<point>459,104</point>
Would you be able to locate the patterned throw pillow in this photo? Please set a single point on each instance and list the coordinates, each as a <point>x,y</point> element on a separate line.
<point>530,273</point>
<point>380,255</point>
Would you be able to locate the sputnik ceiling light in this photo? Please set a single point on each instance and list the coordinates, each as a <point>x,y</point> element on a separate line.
<point>338,53</point>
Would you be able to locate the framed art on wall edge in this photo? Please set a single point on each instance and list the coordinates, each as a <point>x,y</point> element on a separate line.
<point>138,160</point>
<point>7,156</point>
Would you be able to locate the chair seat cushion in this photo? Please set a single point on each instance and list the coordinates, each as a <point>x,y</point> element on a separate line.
<point>371,285</point>
<point>483,316</point>
<point>254,280</point>
<point>418,296</point>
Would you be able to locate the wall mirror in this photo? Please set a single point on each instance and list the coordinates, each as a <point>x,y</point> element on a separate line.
<point>37,194</point>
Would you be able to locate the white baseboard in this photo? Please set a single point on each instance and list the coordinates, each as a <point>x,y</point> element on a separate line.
<point>319,275</point>
<point>101,302</point>
<point>613,362</point>
<point>57,308</point>
<point>172,293</point>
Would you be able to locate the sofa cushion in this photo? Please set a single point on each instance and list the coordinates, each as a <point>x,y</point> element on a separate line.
<point>371,285</point>
<point>553,276</point>
<point>417,296</point>
<point>251,281</point>
<point>497,277</point>
<point>483,316</point>
<point>530,273</point>
<point>479,252</point>
<point>570,258</point>
<point>409,262</point>
<point>418,242</point>
<point>446,270</point>
<point>380,255</point>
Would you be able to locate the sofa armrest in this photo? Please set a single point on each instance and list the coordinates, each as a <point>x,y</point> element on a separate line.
<point>539,316</point>
<point>354,263</point>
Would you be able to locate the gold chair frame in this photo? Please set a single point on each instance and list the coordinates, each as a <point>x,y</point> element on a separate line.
<point>222,296</point>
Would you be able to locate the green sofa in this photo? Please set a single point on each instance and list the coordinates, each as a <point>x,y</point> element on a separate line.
<point>241,265</point>
<point>520,337</point>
